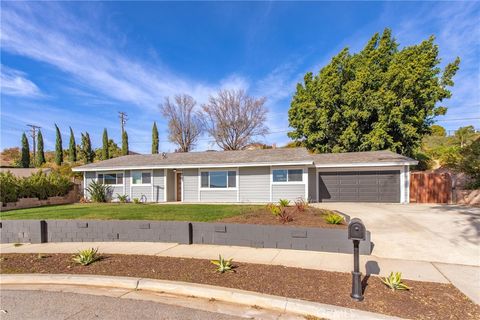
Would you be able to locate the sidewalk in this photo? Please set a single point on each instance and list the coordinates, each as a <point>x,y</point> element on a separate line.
<point>465,278</point>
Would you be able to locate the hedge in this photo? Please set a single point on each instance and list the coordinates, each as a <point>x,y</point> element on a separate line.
<point>38,185</point>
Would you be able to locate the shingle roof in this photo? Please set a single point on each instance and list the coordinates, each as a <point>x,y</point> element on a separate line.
<point>242,157</point>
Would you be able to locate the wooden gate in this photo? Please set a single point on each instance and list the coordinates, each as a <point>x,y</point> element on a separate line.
<point>430,187</point>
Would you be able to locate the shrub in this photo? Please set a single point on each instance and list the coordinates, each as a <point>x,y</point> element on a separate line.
<point>284,216</point>
<point>222,264</point>
<point>394,282</point>
<point>38,185</point>
<point>98,191</point>
<point>122,198</point>
<point>86,257</point>
<point>136,201</point>
<point>333,218</point>
<point>301,204</point>
<point>283,202</point>
<point>274,209</point>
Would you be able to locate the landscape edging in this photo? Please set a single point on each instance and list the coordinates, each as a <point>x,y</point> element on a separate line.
<point>231,295</point>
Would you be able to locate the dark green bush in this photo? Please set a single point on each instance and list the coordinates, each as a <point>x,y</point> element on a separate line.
<point>38,185</point>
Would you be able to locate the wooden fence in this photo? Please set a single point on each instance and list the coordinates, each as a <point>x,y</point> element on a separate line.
<point>430,187</point>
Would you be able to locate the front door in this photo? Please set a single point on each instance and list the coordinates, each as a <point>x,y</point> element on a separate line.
<point>179,186</point>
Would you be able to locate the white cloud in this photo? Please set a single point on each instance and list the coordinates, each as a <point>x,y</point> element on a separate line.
<point>15,83</point>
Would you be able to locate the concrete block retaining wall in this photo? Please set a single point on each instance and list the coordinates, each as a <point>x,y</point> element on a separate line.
<point>282,237</point>
<point>258,236</point>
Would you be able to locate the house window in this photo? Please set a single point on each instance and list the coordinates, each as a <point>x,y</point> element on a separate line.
<point>110,178</point>
<point>218,179</point>
<point>139,177</point>
<point>287,175</point>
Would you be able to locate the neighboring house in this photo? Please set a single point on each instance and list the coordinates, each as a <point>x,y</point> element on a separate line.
<point>253,176</point>
<point>25,172</point>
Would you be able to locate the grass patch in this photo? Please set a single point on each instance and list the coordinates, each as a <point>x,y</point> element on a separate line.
<point>129,211</point>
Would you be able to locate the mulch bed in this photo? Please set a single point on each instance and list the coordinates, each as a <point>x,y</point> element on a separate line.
<point>425,301</point>
<point>311,217</point>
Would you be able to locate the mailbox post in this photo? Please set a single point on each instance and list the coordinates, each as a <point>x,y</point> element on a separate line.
<point>357,233</point>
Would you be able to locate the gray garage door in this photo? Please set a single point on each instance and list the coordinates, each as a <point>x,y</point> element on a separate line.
<point>363,186</point>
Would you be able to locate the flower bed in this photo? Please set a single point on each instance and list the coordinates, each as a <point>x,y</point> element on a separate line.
<point>424,301</point>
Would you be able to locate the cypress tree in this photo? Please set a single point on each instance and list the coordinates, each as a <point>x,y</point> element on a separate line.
<point>154,138</point>
<point>25,161</point>
<point>124,143</point>
<point>72,148</point>
<point>40,153</point>
<point>105,152</point>
<point>87,152</point>
<point>58,147</point>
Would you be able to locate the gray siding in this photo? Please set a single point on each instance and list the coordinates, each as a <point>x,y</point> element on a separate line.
<point>312,185</point>
<point>254,184</point>
<point>218,195</point>
<point>288,191</point>
<point>126,181</point>
<point>190,185</point>
<point>158,186</point>
<point>142,191</point>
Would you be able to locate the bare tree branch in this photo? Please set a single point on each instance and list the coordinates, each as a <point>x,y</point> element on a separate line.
<point>184,124</point>
<point>234,119</point>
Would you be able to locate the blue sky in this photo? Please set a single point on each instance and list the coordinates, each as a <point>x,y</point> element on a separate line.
<point>78,64</point>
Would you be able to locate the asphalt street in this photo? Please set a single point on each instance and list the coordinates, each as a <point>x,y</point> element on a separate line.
<point>16,304</point>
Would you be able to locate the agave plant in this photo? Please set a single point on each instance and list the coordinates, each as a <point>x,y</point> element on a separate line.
<point>333,218</point>
<point>86,257</point>
<point>223,265</point>
<point>283,203</point>
<point>394,282</point>
<point>98,191</point>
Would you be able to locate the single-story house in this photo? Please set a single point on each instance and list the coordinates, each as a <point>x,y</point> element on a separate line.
<point>256,176</point>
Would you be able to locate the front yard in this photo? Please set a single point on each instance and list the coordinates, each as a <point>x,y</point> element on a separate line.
<point>130,211</point>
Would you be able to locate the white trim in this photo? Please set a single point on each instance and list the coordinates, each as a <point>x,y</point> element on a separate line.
<point>287,182</point>
<point>116,178</point>
<point>366,164</point>
<point>270,179</point>
<point>199,178</point>
<point>85,185</point>
<point>194,166</point>
<point>164,185</point>
<point>317,193</point>
<point>181,187</point>
<point>218,169</point>
<point>305,178</point>
<point>141,184</point>
<point>237,183</point>
<point>124,184</point>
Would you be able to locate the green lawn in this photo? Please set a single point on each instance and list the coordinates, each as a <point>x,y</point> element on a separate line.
<point>129,211</point>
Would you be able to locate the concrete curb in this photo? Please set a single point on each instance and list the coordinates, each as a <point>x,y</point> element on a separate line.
<point>236,296</point>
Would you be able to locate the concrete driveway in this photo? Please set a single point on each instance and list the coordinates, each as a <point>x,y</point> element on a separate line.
<point>435,233</point>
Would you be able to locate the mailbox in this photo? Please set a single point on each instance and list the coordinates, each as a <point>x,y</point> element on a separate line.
<point>356,230</point>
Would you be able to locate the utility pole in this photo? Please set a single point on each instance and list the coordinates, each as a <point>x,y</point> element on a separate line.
<point>33,134</point>
<point>123,120</point>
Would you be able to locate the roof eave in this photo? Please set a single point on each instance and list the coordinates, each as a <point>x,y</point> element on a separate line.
<point>193,166</point>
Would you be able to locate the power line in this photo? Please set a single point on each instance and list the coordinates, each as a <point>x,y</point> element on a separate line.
<point>33,134</point>
<point>123,120</point>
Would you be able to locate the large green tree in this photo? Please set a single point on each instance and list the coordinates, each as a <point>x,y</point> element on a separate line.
<point>40,152</point>
<point>380,98</point>
<point>105,151</point>
<point>25,160</point>
<point>72,148</point>
<point>86,149</point>
<point>58,147</point>
<point>124,143</point>
<point>154,138</point>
